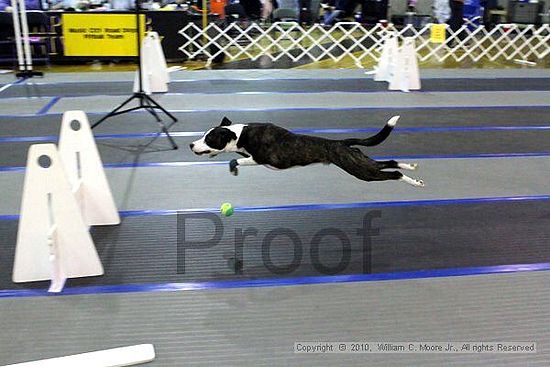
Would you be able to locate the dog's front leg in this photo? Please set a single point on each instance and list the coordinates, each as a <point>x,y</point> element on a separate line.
<point>234,163</point>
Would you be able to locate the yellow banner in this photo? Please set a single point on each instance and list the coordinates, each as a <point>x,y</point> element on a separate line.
<point>438,33</point>
<point>89,34</point>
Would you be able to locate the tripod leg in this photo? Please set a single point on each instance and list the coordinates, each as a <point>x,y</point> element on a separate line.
<point>155,104</point>
<point>147,105</point>
<point>154,113</point>
<point>167,133</point>
<point>146,102</point>
<point>113,112</point>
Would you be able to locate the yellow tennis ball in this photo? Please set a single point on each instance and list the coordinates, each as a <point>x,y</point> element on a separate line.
<point>227,209</point>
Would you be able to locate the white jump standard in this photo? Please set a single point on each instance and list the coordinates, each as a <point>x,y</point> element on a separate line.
<point>65,192</point>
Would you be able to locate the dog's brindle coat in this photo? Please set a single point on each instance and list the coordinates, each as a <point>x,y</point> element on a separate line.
<point>278,148</point>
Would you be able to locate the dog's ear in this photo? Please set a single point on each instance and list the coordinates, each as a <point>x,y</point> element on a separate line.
<point>230,135</point>
<point>225,122</point>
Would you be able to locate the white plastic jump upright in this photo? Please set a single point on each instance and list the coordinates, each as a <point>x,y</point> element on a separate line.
<point>85,171</point>
<point>406,76</point>
<point>53,241</point>
<point>155,77</point>
<point>388,58</point>
<point>152,39</point>
<point>65,192</point>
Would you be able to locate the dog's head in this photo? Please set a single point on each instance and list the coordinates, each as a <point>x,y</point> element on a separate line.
<point>216,140</point>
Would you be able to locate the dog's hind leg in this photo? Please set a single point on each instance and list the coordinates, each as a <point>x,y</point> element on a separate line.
<point>396,165</point>
<point>412,181</point>
<point>359,165</point>
<point>408,166</point>
<point>234,163</point>
<point>395,175</point>
<point>387,175</point>
<point>392,175</point>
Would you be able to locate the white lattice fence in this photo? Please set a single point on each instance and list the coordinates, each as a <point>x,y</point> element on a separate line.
<point>352,40</point>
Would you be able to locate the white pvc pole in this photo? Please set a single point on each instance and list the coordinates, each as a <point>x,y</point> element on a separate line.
<point>117,357</point>
<point>25,29</point>
<point>17,32</point>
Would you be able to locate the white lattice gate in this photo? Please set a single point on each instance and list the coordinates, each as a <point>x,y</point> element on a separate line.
<point>361,44</point>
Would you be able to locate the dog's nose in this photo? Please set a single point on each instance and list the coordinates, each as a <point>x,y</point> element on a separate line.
<point>191,145</point>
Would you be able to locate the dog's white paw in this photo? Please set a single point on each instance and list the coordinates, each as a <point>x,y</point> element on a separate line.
<point>408,166</point>
<point>412,181</point>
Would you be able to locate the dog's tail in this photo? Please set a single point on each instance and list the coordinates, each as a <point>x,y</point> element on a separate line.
<point>375,139</point>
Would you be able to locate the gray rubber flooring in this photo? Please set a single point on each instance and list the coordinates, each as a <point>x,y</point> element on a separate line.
<point>352,73</point>
<point>160,188</point>
<point>276,74</point>
<point>403,239</point>
<point>315,100</point>
<point>262,101</point>
<point>151,150</point>
<point>276,86</point>
<point>258,327</point>
<point>28,106</point>
<point>142,122</point>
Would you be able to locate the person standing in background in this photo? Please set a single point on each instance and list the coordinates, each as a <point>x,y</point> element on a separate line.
<point>442,11</point>
<point>457,16</point>
<point>267,9</point>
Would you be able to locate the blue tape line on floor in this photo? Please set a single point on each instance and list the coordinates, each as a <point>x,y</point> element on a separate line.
<point>372,204</point>
<point>278,282</point>
<point>306,207</point>
<point>48,106</point>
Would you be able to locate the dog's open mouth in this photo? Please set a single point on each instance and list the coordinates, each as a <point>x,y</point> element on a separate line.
<point>203,152</point>
<point>209,152</point>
